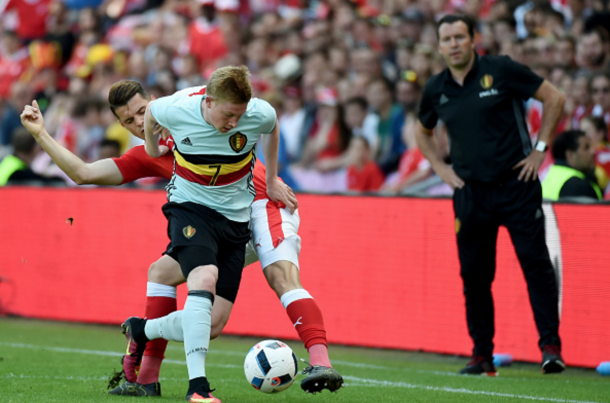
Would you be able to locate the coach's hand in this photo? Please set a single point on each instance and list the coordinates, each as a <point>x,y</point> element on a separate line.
<point>31,119</point>
<point>448,175</point>
<point>530,165</point>
<point>278,191</point>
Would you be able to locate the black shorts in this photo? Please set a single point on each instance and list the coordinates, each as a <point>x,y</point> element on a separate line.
<point>201,236</point>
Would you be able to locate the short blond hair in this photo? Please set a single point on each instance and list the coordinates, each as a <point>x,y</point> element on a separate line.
<point>230,84</point>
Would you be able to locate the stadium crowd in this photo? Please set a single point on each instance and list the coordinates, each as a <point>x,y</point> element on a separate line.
<point>345,76</point>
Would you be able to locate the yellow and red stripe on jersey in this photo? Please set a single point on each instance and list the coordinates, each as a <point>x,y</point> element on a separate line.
<point>209,173</point>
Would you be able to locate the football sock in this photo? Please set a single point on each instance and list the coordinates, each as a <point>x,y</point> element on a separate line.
<point>307,319</point>
<point>160,301</point>
<point>196,325</point>
<point>168,327</point>
<point>318,355</point>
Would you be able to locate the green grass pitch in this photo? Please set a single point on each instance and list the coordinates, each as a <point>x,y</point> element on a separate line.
<point>63,362</point>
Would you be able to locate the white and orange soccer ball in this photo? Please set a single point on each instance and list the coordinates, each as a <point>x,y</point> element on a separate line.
<point>271,366</point>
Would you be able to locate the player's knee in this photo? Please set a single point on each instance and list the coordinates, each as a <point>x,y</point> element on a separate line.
<point>166,274</point>
<point>203,278</point>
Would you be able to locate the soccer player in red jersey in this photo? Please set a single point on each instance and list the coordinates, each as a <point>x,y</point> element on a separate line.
<point>275,242</point>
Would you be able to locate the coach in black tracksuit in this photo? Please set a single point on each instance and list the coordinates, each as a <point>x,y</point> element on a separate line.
<point>494,173</point>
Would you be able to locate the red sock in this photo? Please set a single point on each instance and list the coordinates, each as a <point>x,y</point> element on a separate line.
<point>156,307</point>
<point>308,322</point>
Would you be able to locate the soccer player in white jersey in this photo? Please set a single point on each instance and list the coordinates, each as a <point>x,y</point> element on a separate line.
<point>274,237</point>
<point>209,199</point>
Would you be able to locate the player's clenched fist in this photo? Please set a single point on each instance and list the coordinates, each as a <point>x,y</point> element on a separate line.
<point>31,119</point>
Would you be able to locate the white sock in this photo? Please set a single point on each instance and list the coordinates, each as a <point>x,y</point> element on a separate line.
<point>196,325</point>
<point>160,290</point>
<point>168,327</point>
<point>294,295</point>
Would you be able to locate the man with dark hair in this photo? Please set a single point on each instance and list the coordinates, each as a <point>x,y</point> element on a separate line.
<point>15,168</point>
<point>495,177</point>
<point>593,50</point>
<point>573,174</point>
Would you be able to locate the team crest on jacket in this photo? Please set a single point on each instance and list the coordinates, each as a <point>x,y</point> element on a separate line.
<point>238,141</point>
<point>487,81</point>
<point>189,231</point>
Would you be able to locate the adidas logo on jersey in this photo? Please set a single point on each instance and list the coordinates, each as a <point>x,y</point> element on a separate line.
<point>186,141</point>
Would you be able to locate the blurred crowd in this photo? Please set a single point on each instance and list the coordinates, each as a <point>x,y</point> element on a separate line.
<point>345,76</point>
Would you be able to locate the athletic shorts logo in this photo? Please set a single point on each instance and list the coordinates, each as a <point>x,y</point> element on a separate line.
<point>458,225</point>
<point>487,81</point>
<point>238,141</point>
<point>189,231</point>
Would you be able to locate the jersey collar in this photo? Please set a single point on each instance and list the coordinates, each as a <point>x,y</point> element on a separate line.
<point>471,74</point>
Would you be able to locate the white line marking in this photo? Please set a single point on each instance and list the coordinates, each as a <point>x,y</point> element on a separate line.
<point>100,352</point>
<point>96,378</point>
<point>375,383</point>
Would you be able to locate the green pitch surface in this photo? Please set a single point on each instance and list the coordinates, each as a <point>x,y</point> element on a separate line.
<point>61,362</point>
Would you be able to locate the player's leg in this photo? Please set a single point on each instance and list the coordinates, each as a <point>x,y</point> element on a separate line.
<point>163,276</point>
<point>525,223</point>
<point>282,274</point>
<point>278,246</point>
<point>197,322</point>
<point>476,231</point>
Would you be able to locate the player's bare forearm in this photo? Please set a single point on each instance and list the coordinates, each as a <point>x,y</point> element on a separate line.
<point>151,137</point>
<point>103,172</point>
<point>271,145</point>
<point>553,102</point>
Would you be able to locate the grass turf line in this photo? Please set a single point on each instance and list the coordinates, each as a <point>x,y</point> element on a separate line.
<point>62,362</point>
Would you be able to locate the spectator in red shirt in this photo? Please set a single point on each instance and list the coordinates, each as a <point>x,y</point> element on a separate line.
<point>206,39</point>
<point>363,174</point>
<point>14,62</point>
<point>32,16</point>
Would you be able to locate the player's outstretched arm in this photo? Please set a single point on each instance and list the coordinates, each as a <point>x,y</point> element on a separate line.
<point>103,172</point>
<point>276,190</point>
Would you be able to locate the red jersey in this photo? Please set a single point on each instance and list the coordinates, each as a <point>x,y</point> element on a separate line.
<point>136,164</point>
<point>368,179</point>
<point>32,16</point>
<point>12,68</point>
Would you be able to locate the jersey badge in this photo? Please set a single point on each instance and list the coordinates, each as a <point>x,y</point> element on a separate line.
<point>238,141</point>
<point>487,81</point>
<point>188,231</point>
<point>458,225</point>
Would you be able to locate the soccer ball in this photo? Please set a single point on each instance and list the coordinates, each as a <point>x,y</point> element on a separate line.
<point>271,366</point>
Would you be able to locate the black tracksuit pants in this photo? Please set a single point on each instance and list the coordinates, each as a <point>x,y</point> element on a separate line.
<point>480,209</point>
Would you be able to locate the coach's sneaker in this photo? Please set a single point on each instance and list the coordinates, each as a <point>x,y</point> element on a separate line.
<point>552,363</point>
<point>137,389</point>
<point>200,392</point>
<point>319,378</point>
<point>133,329</point>
<point>479,365</point>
